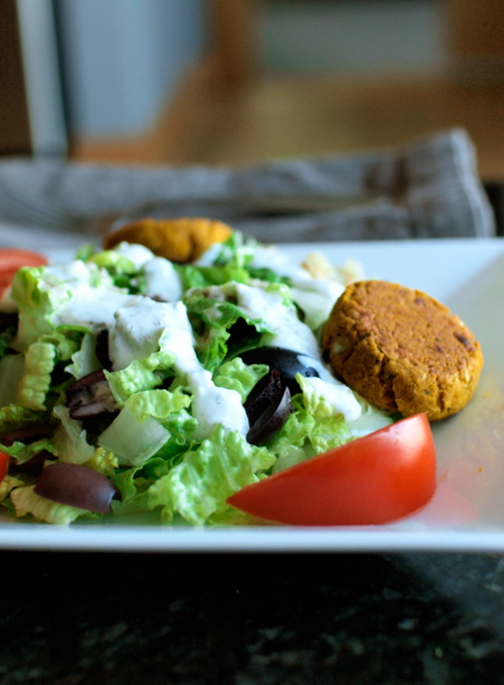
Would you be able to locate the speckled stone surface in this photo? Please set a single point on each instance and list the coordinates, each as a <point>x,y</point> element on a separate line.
<point>72,619</point>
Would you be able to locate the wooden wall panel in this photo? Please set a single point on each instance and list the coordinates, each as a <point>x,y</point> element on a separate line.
<point>477,28</point>
<point>14,124</point>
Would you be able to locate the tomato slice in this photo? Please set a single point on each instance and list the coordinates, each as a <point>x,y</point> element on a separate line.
<point>12,259</point>
<point>4,465</point>
<point>375,479</point>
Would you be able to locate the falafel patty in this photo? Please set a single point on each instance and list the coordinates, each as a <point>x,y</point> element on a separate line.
<point>402,350</point>
<point>181,240</point>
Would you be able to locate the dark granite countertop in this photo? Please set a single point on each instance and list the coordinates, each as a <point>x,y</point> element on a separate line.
<point>265,619</point>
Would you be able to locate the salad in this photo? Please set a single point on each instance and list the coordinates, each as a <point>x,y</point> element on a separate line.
<point>129,383</point>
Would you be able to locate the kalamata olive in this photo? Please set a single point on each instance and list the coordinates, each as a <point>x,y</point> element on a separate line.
<point>268,407</point>
<point>28,434</point>
<point>287,362</point>
<point>90,396</point>
<point>77,486</point>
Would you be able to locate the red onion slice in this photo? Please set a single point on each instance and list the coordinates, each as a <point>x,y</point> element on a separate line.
<point>28,434</point>
<point>90,396</point>
<point>77,486</point>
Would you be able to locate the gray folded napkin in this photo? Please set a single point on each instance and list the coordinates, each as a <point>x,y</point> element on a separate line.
<point>428,188</point>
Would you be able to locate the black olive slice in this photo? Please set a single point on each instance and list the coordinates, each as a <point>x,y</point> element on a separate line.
<point>267,390</point>
<point>77,486</point>
<point>90,396</point>
<point>28,434</point>
<point>287,362</point>
<point>268,407</point>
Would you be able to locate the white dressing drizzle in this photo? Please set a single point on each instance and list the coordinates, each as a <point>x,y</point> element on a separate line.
<point>338,395</point>
<point>143,327</point>
<point>288,331</point>
<point>162,281</point>
<point>139,325</point>
<point>138,254</point>
<point>91,307</point>
<point>316,297</point>
<point>136,330</point>
<point>84,303</point>
<point>71,272</point>
<point>213,405</point>
<point>265,257</point>
<point>292,334</point>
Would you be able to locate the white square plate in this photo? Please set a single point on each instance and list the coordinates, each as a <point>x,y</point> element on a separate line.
<point>467,511</point>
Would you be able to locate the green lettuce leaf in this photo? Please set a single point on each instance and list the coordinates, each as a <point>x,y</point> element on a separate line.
<point>198,486</point>
<point>65,340</point>
<point>323,399</point>
<point>36,302</point>
<point>114,262</point>
<point>13,416</point>
<point>221,327</point>
<point>7,484</point>
<point>40,292</point>
<point>140,375</point>
<point>193,276</point>
<point>26,502</point>
<point>305,435</point>
<point>70,438</point>
<point>12,368</point>
<point>40,360</point>
<point>103,461</point>
<point>317,424</point>
<point>123,271</point>
<point>86,251</point>
<point>84,359</point>
<point>237,250</point>
<point>146,423</point>
<point>236,375</point>
<point>22,453</point>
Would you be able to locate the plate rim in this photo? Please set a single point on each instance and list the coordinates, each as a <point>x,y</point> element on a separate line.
<point>122,537</point>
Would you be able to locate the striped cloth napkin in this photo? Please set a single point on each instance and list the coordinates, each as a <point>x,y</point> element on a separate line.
<point>428,188</point>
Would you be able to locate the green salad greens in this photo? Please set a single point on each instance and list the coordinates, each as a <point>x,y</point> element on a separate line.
<point>153,386</point>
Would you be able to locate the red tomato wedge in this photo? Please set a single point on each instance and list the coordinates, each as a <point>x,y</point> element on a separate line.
<point>375,479</point>
<point>12,259</point>
<point>4,465</point>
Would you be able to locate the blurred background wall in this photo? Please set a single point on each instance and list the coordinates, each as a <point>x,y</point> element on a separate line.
<point>359,37</point>
<point>122,59</point>
<point>231,81</point>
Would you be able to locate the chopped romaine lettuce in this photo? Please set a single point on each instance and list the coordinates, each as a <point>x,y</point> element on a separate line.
<point>26,501</point>
<point>140,375</point>
<point>177,444</point>
<point>198,486</point>
<point>147,422</point>
<point>236,375</point>
<point>84,359</point>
